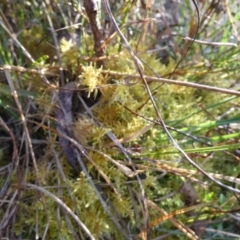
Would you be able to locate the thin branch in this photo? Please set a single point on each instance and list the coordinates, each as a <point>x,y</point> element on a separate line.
<point>217,44</point>
<point>176,82</point>
<point>92,9</point>
<point>48,72</point>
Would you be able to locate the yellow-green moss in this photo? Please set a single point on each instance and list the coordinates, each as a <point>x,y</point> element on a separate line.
<point>117,111</point>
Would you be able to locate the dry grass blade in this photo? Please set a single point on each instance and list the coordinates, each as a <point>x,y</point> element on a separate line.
<point>108,207</point>
<point>62,205</point>
<point>17,42</point>
<point>211,43</point>
<point>187,231</point>
<point>24,122</point>
<point>9,213</point>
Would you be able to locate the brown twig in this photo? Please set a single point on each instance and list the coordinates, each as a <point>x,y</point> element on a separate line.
<point>176,82</point>
<point>92,9</point>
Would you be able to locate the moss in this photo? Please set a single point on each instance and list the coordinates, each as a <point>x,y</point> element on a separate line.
<point>125,110</point>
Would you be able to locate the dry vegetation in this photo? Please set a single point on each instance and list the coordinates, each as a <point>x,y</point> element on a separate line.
<point>153,152</point>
